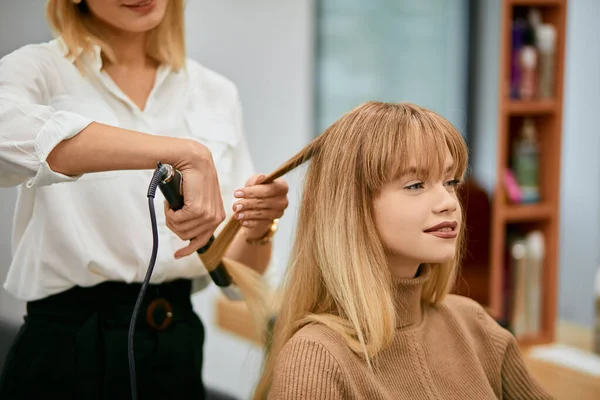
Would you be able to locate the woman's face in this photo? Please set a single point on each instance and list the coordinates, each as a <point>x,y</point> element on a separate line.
<point>408,213</point>
<point>134,16</point>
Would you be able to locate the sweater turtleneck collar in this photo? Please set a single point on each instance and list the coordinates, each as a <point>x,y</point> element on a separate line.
<point>407,297</point>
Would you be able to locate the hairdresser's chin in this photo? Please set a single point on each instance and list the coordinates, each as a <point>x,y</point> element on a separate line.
<point>132,16</point>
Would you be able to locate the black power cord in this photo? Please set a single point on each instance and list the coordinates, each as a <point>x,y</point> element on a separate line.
<point>156,179</point>
<point>170,182</point>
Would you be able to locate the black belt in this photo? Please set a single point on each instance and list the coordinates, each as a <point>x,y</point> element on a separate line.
<point>113,303</point>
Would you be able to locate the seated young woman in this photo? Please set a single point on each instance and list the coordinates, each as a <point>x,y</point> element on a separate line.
<point>366,311</point>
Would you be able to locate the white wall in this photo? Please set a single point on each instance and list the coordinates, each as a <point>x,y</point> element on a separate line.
<point>580,188</point>
<point>266,48</point>
<point>485,101</point>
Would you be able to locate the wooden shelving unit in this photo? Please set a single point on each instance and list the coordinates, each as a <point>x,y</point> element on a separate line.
<point>544,215</point>
<point>534,3</point>
<point>526,213</point>
<point>541,107</point>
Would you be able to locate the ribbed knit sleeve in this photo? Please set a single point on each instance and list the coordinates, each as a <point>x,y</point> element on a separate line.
<point>517,382</point>
<point>305,369</point>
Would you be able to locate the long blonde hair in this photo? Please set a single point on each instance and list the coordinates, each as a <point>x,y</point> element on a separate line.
<point>74,24</point>
<point>338,273</point>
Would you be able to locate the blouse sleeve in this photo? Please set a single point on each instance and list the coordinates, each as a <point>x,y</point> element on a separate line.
<point>29,128</point>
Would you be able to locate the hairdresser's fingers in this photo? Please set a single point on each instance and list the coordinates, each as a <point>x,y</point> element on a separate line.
<point>173,228</point>
<point>183,226</point>
<point>275,203</point>
<point>278,187</point>
<point>191,212</point>
<point>185,230</point>
<point>189,231</point>
<point>192,232</point>
<point>194,245</point>
<point>201,195</point>
<point>265,215</point>
<point>195,212</point>
<point>255,180</point>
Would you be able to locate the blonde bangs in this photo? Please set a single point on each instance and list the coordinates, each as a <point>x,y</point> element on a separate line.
<point>73,23</point>
<point>402,136</point>
<point>405,136</point>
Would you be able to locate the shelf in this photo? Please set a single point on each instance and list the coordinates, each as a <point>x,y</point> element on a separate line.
<point>508,218</point>
<point>527,212</point>
<point>534,340</point>
<point>517,107</point>
<point>538,3</point>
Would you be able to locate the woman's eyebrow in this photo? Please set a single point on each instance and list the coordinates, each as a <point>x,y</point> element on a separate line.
<point>414,171</point>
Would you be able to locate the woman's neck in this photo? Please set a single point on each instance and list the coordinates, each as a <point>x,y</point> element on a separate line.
<point>402,268</point>
<point>129,48</point>
<point>408,297</point>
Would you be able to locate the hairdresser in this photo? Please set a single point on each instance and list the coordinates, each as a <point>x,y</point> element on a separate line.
<point>84,119</point>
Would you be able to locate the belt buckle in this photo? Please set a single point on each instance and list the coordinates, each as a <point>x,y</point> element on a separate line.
<point>166,306</point>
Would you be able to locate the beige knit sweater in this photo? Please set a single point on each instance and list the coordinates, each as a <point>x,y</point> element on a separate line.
<point>450,351</point>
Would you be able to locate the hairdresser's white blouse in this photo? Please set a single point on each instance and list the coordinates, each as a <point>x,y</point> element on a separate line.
<point>84,231</point>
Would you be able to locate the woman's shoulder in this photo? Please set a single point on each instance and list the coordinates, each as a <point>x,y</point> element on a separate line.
<point>464,309</point>
<point>43,53</point>
<point>314,341</point>
<point>317,335</point>
<point>474,320</point>
<point>312,348</point>
<point>309,366</point>
<point>462,305</point>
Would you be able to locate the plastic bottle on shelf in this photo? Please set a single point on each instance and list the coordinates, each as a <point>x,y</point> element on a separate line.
<point>535,266</point>
<point>519,25</point>
<point>526,162</point>
<point>546,43</point>
<point>528,63</point>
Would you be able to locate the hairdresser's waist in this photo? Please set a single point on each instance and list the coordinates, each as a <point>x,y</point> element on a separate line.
<point>113,302</point>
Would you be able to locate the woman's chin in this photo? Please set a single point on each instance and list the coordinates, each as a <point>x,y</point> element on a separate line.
<point>144,25</point>
<point>440,258</point>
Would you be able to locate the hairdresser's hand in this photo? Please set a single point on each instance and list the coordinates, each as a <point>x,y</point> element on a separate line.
<point>258,205</point>
<point>203,209</point>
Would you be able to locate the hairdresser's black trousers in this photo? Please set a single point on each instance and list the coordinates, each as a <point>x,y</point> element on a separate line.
<point>73,345</point>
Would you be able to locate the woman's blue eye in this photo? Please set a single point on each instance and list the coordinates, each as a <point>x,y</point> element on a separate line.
<point>415,186</point>
<point>453,182</point>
